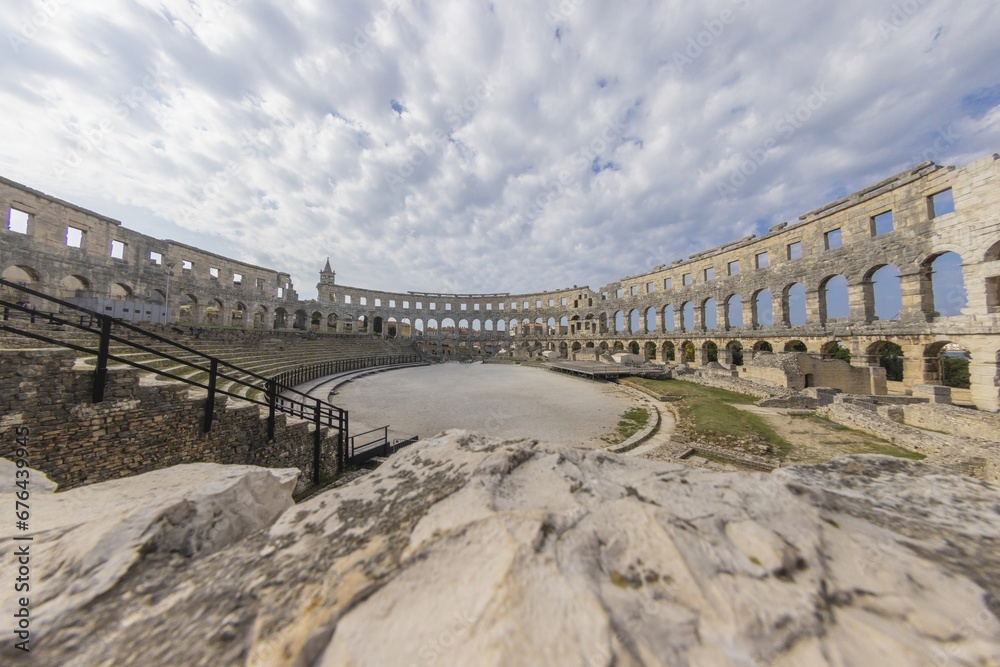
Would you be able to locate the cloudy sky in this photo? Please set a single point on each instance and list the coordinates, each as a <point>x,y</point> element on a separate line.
<point>484,146</point>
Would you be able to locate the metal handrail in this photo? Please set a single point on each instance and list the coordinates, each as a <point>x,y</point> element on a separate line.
<point>321,412</point>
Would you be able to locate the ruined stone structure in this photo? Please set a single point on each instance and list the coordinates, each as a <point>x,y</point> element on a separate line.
<point>773,292</point>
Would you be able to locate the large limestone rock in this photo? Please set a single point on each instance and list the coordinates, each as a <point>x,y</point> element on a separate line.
<point>86,540</point>
<point>463,550</point>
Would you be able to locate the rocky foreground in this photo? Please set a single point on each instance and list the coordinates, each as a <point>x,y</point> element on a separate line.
<point>463,550</point>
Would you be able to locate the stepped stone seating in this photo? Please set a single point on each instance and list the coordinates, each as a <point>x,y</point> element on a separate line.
<point>257,352</point>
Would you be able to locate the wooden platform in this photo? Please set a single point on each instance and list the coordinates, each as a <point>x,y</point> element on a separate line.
<point>597,371</point>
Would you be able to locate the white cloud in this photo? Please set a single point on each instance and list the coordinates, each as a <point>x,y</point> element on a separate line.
<point>530,146</point>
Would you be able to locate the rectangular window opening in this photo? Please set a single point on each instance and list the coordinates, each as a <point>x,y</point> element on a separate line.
<point>155,258</point>
<point>117,250</point>
<point>687,279</point>
<point>378,302</point>
<point>17,221</point>
<point>213,272</point>
<point>650,288</point>
<point>668,283</point>
<point>942,203</point>
<point>237,279</point>
<point>74,237</point>
<point>187,265</point>
<point>882,223</point>
<point>347,299</point>
<point>362,300</point>
<point>795,250</point>
<point>733,268</point>
<point>761,260</point>
<point>833,239</point>
<point>709,274</point>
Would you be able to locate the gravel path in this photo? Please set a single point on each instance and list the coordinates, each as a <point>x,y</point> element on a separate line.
<point>496,400</point>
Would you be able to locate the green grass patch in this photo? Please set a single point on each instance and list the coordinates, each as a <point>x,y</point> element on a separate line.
<point>892,450</point>
<point>708,415</point>
<point>630,423</point>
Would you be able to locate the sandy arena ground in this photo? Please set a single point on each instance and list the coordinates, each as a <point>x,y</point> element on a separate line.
<point>496,400</point>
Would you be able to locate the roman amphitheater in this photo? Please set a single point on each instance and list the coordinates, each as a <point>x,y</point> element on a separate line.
<point>132,367</point>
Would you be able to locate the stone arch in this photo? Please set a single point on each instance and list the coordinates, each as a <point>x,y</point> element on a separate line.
<point>280,318</point>
<point>238,314</point>
<point>763,309</point>
<point>463,327</point>
<point>938,370</point>
<point>762,346</point>
<point>214,311</point>
<point>734,311</point>
<point>668,318</point>
<point>834,302</point>
<point>793,304</point>
<point>260,317</point>
<point>796,346</point>
<point>836,349</point>
<point>942,285</point>
<point>301,320</point>
<point>121,291</point>
<point>888,355</point>
<point>668,351</point>
<point>619,321</point>
<point>687,316</point>
<point>633,347</point>
<point>74,286</point>
<point>361,324</point>
<point>649,350</point>
<point>883,293</point>
<point>634,321</point>
<point>709,352</point>
<point>576,346</point>
<point>418,326</point>
<point>993,282</point>
<point>550,326</point>
<point>650,325</point>
<point>448,327</point>
<point>710,314</point>
<point>188,308</point>
<point>687,352</point>
<point>391,327</point>
<point>618,346</point>
<point>22,274</point>
<point>488,325</point>
<point>734,350</point>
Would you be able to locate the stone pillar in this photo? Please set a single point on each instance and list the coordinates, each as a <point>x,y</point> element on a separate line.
<point>659,321</point>
<point>815,306</point>
<point>721,315</point>
<point>324,325</point>
<point>917,290</point>
<point>861,301</point>
<point>198,314</point>
<point>678,319</point>
<point>984,371</point>
<point>699,319</point>
<point>748,308</point>
<point>779,309</point>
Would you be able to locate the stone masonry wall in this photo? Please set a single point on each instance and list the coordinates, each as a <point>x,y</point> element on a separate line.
<point>140,426</point>
<point>953,419</point>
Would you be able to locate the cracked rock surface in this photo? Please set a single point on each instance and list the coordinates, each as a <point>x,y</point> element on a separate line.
<point>464,550</point>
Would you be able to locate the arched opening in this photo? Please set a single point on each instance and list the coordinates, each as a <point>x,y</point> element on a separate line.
<point>710,351</point>
<point>634,326</point>
<point>668,318</point>
<point>836,350</point>
<point>618,346</point>
<point>651,323</point>
<point>710,313</point>
<point>432,327</point>
<point>213,312</point>
<point>280,317</point>
<point>331,322</point>
<point>763,309</point>
<point>391,327</point>
<point>794,305</point>
<point>188,304</point>
<point>377,325</point>
<point>448,327</point>
<point>993,282</point>
<point>406,327</point>
<point>576,347</point>
<point>883,294</point>
<point>74,287</point>
<point>943,274</point>
<point>488,325</point>
<point>563,350</point>
<point>889,356</point>
<point>619,322</point>
<point>687,316</point>
<point>633,347</point>
<point>688,352</point>
<point>121,291</point>
<point>237,314</point>
<point>463,327</point>
<point>948,364</point>
<point>734,311</point>
<point>361,324</point>
<point>795,346</point>
<point>834,304</point>
<point>604,323</point>
<point>260,317</point>
<point>315,320</point>
<point>301,320</point>
<point>550,326</point>
<point>762,346</point>
<point>735,349</point>
<point>25,276</point>
<point>502,325</point>
<point>650,350</point>
<point>157,297</point>
<point>669,352</point>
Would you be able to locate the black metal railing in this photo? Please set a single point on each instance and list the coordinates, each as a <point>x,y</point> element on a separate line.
<point>375,443</point>
<point>206,371</point>
<point>297,376</point>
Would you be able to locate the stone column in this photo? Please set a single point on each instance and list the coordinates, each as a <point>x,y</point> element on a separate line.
<point>815,307</point>
<point>861,301</point>
<point>917,290</point>
<point>721,315</point>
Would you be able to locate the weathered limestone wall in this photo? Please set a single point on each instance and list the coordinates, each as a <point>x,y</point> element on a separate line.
<point>138,427</point>
<point>955,420</point>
